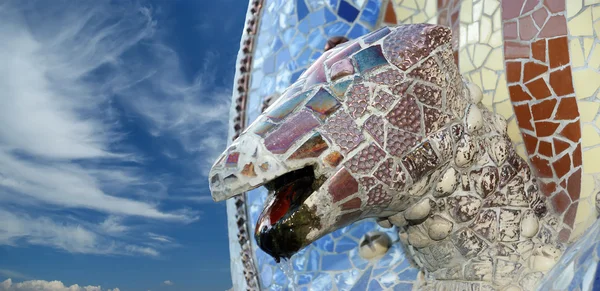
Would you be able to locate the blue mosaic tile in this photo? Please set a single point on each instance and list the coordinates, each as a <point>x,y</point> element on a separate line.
<point>357,261</point>
<point>333,4</point>
<point>358,31</point>
<point>370,13</point>
<point>403,287</point>
<point>345,280</point>
<point>304,27</point>
<point>296,75</point>
<point>304,57</point>
<point>363,282</point>
<point>317,18</point>
<point>596,279</point>
<point>337,28</point>
<point>335,262</point>
<point>282,58</point>
<point>358,3</point>
<point>315,4</point>
<point>313,260</point>
<point>330,16</point>
<point>340,232</point>
<point>299,261</point>
<point>266,275</point>
<point>402,266</point>
<point>301,8</point>
<point>379,271</point>
<point>323,281</point>
<point>409,274</point>
<point>345,244</point>
<point>377,35</point>
<point>276,44</point>
<point>362,227</point>
<point>588,279</point>
<point>297,44</point>
<point>347,11</point>
<point>316,40</point>
<point>388,280</point>
<point>325,243</point>
<point>314,56</point>
<point>374,286</point>
<point>304,278</point>
<point>269,65</point>
<point>280,278</point>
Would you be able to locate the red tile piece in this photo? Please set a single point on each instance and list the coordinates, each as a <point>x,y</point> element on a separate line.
<point>531,143</point>
<point>513,72</point>
<point>567,109</point>
<point>342,185</point>
<point>542,167</point>
<point>562,166</point>
<point>577,156</point>
<point>390,15</point>
<point>559,146</point>
<point>545,128</point>
<point>351,204</point>
<point>562,82</point>
<point>569,218</point>
<point>532,70</point>
<point>545,148</point>
<point>561,202</point>
<point>538,50</point>
<point>539,88</point>
<point>523,116</point>
<point>543,110</point>
<point>558,51</point>
<point>547,188</point>
<point>281,139</point>
<point>572,131</point>
<point>517,94</point>
<point>574,185</point>
<point>515,50</point>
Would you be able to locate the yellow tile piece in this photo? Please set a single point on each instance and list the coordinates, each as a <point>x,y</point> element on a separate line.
<point>487,100</point>
<point>485,29</point>
<point>588,42</point>
<point>588,110</point>
<point>497,20</point>
<point>587,186</point>
<point>577,58</point>
<point>495,60</point>
<point>464,62</point>
<point>466,11</point>
<point>591,155</point>
<point>501,89</point>
<point>594,60</point>
<point>462,41</point>
<point>581,25</point>
<point>489,79</point>
<point>476,78</point>
<point>490,6</point>
<point>431,9</point>
<point>597,28</point>
<point>410,4</point>
<point>596,12</point>
<point>520,149</point>
<point>477,10</point>
<point>586,82</point>
<point>582,227</point>
<point>419,18</point>
<point>480,54</point>
<point>403,14</point>
<point>506,110</point>
<point>496,39</point>
<point>591,2</point>
<point>573,6</point>
<point>473,32</point>
<point>589,136</point>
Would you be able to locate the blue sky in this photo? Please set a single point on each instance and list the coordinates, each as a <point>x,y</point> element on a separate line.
<point>111,114</point>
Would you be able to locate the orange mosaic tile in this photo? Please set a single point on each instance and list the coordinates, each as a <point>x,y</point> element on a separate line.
<point>390,15</point>
<point>538,72</point>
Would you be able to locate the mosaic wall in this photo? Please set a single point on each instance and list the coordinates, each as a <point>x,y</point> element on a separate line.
<point>537,62</point>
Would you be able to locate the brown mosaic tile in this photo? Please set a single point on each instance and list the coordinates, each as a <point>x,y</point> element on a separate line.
<point>513,72</point>
<point>542,166</point>
<point>523,116</point>
<point>333,159</point>
<point>574,184</point>
<point>518,94</point>
<point>558,51</point>
<point>545,128</point>
<point>545,148</point>
<point>562,166</point>
<point>538,50</point>
<point>567,109</point>
<point>366,159</point>
<point>312,148</point>
<point>572,131</point>
<point>351,204</point>
<point>532,70</point>
<point>531,143</point>
<point>562,82</point>
<point>543,110</point>
<point>559,146</point>
<point>547,188</point>
<point>390,15</point>
<point>539,88</point>
<point>561,202</point>
<point>406,115</point>
<point>577,156</point>
<point>342,185</point>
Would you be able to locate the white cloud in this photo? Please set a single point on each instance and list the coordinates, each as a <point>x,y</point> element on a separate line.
<point>13,274</point>
<point>168,282</point>
<point>42,285</point>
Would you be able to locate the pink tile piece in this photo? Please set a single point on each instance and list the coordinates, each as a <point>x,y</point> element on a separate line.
<point>540,16</point>
<point>529,5</point>
<point>280,140</point>
<point>526,28</point>
<point>341,68</point>
<point>510,30</point>
<point>556,26</point>
<point>556,6</point>
<point>511,9</point>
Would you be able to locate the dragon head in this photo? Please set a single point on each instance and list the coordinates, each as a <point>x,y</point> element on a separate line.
<point>356,136</point>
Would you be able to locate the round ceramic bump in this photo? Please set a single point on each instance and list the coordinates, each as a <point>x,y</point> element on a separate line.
<point>465,152</point>
<point>373,245</point>
<point>474,119</point>
<point>384,222</point>
<point>529,225</point>
<point>475,94</point>
<point>500,123</point>
<point>418,239</point>
<point>398,219</point>
<point>447,183</point>
<point>439,228</point>
<point>418,211</point>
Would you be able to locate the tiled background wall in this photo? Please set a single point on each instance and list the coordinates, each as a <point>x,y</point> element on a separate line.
<point>537,62</point>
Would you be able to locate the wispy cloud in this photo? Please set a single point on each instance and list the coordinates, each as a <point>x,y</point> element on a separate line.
<point>168,282</point>
<point>13,274</point>
<point>62,145</point>
<point>42,285</point>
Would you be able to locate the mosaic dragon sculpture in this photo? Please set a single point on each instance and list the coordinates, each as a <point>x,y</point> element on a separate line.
<point>384,126</point>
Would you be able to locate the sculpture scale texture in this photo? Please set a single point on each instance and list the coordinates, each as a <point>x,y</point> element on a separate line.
<point>384,126</point>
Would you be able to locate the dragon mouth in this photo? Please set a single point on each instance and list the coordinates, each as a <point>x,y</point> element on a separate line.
<point>282,226</point>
